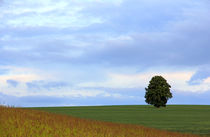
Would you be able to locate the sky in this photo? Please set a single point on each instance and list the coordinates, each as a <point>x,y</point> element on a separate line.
<point>102,52</point>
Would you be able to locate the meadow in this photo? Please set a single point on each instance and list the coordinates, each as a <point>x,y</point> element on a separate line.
<point>194,119</point>
<point>18,122</point>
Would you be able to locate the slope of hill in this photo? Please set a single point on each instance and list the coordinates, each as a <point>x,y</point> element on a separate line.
<point>179,118</point>
<point>16,122</point>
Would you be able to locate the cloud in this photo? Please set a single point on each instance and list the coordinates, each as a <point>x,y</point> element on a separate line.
<point>13,83</point>
<point>55,14</point>
<point>170,48</point>
<point>44,100</point>
<point>189,98</point>
<point>37,85</point>
<point>132,33</point>
<point>177,79</point>
<point>203,73</point>
<point>3,71</point>
<point>37,101</point>
<point>75,48</point>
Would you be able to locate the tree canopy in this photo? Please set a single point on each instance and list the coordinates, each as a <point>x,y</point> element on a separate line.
<point>158,92</point>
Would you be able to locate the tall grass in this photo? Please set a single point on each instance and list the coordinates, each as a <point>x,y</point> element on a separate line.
<point>16,122</point>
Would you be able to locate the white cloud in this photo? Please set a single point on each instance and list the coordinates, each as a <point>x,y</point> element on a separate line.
<point>21,74</point>
<point>178,80</point>
<point>207,80</point>
<point>27,75</point>
<point>60,14</point>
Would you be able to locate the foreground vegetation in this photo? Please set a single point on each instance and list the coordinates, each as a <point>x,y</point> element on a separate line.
<point>16,122</point>
<point>180,118</point>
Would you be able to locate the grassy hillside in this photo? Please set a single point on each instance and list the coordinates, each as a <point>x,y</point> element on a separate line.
<point>182,118</point>
<point>16,122</point>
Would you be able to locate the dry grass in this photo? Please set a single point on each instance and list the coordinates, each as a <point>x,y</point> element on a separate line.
<point>16,122</point>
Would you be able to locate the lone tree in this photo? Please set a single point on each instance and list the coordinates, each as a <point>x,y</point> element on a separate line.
<point>158,92</point>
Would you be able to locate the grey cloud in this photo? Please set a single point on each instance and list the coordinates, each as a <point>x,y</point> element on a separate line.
<point>163,33</point>
<point>32,50</point>
<point>3,71</point>
<point>183,43</point>
<point>12,83</point>
<point>172,43</point>
<point>37,85</point>
<point>134,15</point>
<point>171,51</point>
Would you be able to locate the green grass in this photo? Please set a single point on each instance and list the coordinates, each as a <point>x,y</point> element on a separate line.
<point>182,118</point>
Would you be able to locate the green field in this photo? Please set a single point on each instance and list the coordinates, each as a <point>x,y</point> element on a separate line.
<point>182,118</point>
